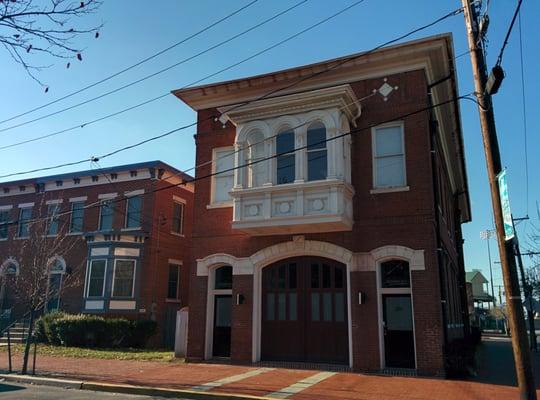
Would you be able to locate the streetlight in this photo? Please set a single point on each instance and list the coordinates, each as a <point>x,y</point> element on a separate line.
<point>485,235</point>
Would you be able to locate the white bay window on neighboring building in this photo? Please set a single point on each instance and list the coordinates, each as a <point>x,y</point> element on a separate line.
<point>389,156</point>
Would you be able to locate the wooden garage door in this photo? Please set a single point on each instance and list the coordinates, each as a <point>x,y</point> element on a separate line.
<point>304,311</point>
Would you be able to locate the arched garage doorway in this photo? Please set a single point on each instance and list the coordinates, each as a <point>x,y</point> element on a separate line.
<point>304,311</point>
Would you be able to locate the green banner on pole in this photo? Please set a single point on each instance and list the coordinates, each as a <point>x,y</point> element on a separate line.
<point>505,205</point>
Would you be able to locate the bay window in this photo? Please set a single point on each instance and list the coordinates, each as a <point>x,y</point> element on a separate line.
<point>223,178</point>
<point>255,153</point>
<point>123,278</point>
<point>317,154</point>
<point>96,278</point>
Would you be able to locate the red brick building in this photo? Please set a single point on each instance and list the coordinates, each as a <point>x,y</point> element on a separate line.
<point>315,245</point>
<point>121,236</point>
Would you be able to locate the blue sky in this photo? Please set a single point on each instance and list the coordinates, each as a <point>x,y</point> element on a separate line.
<point>134,30</point>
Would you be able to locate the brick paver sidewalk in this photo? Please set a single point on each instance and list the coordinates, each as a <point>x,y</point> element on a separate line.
<point>277,383</point>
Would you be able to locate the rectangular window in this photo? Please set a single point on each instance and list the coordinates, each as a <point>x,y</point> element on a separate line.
<point>106,215</point>
<point>96,278</point>
<point>316,152</point>
<point>389,157</point>
<point>77,216</point>
<point>124,276</point>
<point>24,227</point>
<point>4,220</point>
<point>173,291</point>
<point>223,181</point>
<point>52,223</point>
<point>178,218</point>
<point>133,212</point>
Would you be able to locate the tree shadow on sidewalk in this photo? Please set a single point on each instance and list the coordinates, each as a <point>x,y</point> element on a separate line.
<point>495,362</point>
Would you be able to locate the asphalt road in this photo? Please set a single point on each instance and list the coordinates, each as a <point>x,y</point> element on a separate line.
<point>17,391</point>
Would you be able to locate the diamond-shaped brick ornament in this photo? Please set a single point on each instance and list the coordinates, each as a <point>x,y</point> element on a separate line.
<point>385,89</point>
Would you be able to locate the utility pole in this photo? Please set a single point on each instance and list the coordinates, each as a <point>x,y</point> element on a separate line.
<point>522,356</point>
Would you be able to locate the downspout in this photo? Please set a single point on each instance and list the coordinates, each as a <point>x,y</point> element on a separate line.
<point>433,125</point>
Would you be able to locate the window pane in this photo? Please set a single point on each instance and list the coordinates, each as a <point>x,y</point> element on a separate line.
<point>224,277</point>
<point>292,276</point>
<point>223,185</point>
<point>340,307</point>
<point>317,165</point>
<point>338,284</point>
<point>293,313</point>
<point>25,216</point>
<point>223,311</point>
<point>285,169</point>
<point>327,306</point>
<point>96,278</point>
<point>52,214</point>
<point>285,162</point>
<point>388,141</point>
<point>255,152</point>
<point>281,306</point>
<point>326,276</point>
<point>178,215</point>
<point>316,136</point>
<point>223,182</point>
<point>172,291</point>
<point>281,277</point>
<point>133,218</point>
<point>315,276</point>
<point>106,217</point>
<point>77,214</point>
<point>4,219</point>
<point>123,278</point>
<point>270,306</point>
<point>224,160</point>
<point>395,274</point>
<point>315,308</point>
<point>390,171</point>
<point>398,313</point>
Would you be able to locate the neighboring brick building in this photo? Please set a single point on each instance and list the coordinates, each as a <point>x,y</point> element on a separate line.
<point>125,240</point>
<point>322,254</point>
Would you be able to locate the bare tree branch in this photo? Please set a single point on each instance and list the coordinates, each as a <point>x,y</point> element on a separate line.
<point>30,27</point>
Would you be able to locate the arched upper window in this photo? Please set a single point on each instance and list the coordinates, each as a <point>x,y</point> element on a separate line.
<point>9,267</point>
<point>286,157</point>
<point>255,153</point>
<point>56,265</point>
<point>223,278</point>
<point>317,155</point>
<point>395,274</point>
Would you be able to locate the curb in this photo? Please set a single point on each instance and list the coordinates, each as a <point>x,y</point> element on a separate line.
<point>127,389</point>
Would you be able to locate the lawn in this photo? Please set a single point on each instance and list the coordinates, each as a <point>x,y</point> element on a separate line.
<point>105,354</point>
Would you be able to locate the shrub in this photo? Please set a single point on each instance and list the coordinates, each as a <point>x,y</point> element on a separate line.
<point>42,327</point>
<point>84,330</point>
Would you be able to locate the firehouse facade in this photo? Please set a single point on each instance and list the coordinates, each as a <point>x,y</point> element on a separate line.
<point>330,229</point>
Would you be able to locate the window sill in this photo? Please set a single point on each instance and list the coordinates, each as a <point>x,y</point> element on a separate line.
<point>51,236</point>
<point>3,239</point>
<point>74,234</point>
<point>177,234</point>
<point>22,237</point>
<point>175,301</point>
<point>137,228</point>
<point>390,190</point>
<point>219,205</point>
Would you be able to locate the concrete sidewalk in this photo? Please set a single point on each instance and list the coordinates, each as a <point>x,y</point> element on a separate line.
<point>219,381</point>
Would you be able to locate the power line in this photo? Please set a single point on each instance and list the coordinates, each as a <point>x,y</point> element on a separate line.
<point>200,53</point>
<point>501,53</point>
<point>452,13</point>
<point>524,116</point>
<point>230,67</point>
<point>208,27</point>
<point>244,165</point>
